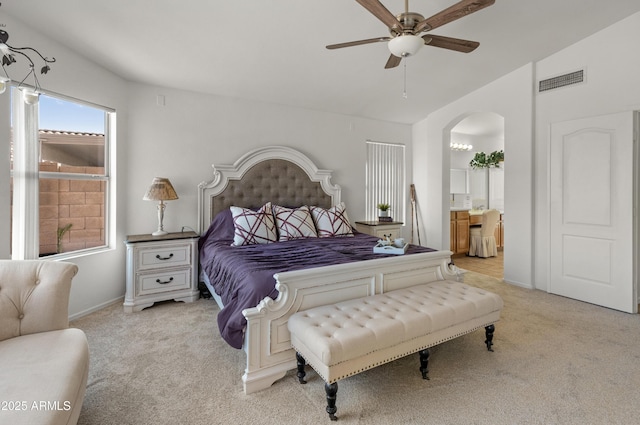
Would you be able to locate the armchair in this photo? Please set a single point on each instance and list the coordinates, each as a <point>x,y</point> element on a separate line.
<point>44,364</point>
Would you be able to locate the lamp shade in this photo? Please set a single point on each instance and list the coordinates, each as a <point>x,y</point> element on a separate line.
<point>160,190</point>
<point>405,45</point>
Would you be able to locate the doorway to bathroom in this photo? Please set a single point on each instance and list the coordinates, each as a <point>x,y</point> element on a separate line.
<point>476,186</point>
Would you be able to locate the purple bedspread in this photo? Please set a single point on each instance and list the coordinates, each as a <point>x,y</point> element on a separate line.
<point>243,275</point>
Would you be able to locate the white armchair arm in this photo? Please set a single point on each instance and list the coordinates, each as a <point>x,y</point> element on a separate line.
<point>34,296</point>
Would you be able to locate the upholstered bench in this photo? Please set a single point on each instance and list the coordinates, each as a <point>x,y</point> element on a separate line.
<point>349,337</point>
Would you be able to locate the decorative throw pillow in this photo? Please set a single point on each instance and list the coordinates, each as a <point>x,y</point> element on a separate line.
<point>332,222</point>
<point>253,227</point>
<point>294,223</point>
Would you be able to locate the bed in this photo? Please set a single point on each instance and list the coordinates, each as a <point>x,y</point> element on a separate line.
<point>333,266</point>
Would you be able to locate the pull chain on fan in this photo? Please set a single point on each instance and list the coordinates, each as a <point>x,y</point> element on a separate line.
<point>404,93</point>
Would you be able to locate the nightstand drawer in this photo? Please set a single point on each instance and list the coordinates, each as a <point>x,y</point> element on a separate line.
<point>162,282</point>
<point>169,256</point>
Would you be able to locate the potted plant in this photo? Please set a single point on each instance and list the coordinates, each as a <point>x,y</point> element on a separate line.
<point>495,158</point>
<point>482,160</point>
<point>61,232</point>
<point>479,161</point>
<point>383,210</point>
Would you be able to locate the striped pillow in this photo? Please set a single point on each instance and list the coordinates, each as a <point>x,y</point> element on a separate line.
<point>294,223</point>
<point>332,222</point>
<point>253,227</point>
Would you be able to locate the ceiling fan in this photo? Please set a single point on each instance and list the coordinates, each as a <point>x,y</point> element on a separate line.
<point>404,40</point>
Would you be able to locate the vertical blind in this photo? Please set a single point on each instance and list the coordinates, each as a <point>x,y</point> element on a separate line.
<point>385,179</point>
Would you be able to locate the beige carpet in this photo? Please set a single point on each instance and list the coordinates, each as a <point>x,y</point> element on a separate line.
<point>556,361</point>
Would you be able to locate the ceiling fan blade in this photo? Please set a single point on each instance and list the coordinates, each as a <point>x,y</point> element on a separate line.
<point>382,13</point>
<point>457,11</point>
<point>357,43</point>
<point>457,44</point>
<point>393,62</point>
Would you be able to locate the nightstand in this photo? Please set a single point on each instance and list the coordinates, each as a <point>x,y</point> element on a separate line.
<point>161,268</point>
<point>380,229</point>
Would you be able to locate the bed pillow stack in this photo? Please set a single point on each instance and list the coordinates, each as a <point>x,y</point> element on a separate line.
<point>272,223</point>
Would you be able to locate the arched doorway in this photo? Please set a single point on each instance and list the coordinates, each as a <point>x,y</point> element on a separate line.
<point>476,189</point>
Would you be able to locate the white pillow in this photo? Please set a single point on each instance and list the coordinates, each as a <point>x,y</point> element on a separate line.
<point>253,227</point>
<point>332,222</point>
<point>294,223</point>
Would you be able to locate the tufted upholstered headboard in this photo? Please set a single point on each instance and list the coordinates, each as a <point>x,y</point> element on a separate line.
<point>276,174</point>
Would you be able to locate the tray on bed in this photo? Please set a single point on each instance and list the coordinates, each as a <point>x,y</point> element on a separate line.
<point>390,249</point>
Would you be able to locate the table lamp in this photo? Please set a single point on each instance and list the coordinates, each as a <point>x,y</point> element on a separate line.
<point>160,190</point>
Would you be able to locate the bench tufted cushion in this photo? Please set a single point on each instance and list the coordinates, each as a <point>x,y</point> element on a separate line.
<point>379,328</point>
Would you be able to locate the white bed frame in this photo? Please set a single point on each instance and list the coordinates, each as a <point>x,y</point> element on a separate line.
<point>267,341</point>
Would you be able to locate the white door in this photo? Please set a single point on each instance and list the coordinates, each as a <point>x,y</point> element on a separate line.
<point>592,211</point>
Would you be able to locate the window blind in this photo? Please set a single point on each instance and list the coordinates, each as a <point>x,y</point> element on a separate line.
<point>385,179</point>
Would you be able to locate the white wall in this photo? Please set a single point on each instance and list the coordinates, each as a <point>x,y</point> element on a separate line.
<point>192,131</point>
<point>100,279</point>
<point>612,65</point>
<point>510,97</point>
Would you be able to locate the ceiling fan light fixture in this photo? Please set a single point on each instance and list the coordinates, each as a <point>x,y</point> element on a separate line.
<point>405,45</point>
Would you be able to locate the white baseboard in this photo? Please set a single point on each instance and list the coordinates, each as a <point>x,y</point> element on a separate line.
<point>520,284</point>
<point>93,309</point>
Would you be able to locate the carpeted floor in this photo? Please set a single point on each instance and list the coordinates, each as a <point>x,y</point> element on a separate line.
<point>556,361</point>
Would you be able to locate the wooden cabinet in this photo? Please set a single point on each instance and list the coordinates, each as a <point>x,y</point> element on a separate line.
<point>459,232</point>
<point>161,268</point>
<point>380,229</point>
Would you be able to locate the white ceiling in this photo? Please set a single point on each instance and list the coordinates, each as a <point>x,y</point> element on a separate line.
<point>273,51</point>
<point>486,124</point>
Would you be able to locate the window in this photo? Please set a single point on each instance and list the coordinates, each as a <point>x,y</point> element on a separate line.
<point>59,176</point>
<point>385,179</point>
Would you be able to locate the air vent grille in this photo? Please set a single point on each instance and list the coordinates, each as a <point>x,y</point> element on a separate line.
<point>561,81</point>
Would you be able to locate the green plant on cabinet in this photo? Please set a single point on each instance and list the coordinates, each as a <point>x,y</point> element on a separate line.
<point>482,160</point>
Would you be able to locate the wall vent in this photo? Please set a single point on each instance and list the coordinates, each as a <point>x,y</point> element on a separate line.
<point>561,81</point>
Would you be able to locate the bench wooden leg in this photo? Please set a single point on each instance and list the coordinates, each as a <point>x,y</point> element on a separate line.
<point>301,363</point>
<point>331,390</point>
<point>489,333</point>
<point>424,362</point>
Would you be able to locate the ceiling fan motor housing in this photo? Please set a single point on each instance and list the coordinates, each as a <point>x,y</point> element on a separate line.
<point>409,21</point>
<point>405,42</point>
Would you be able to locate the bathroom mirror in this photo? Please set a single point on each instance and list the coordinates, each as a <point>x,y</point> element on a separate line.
<point>459,181</point>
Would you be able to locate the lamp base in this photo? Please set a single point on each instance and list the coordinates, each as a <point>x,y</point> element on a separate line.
<point>160,231</point>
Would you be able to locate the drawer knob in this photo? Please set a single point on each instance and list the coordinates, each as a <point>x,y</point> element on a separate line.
<point>164,258</point>
<point>164,282</point>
